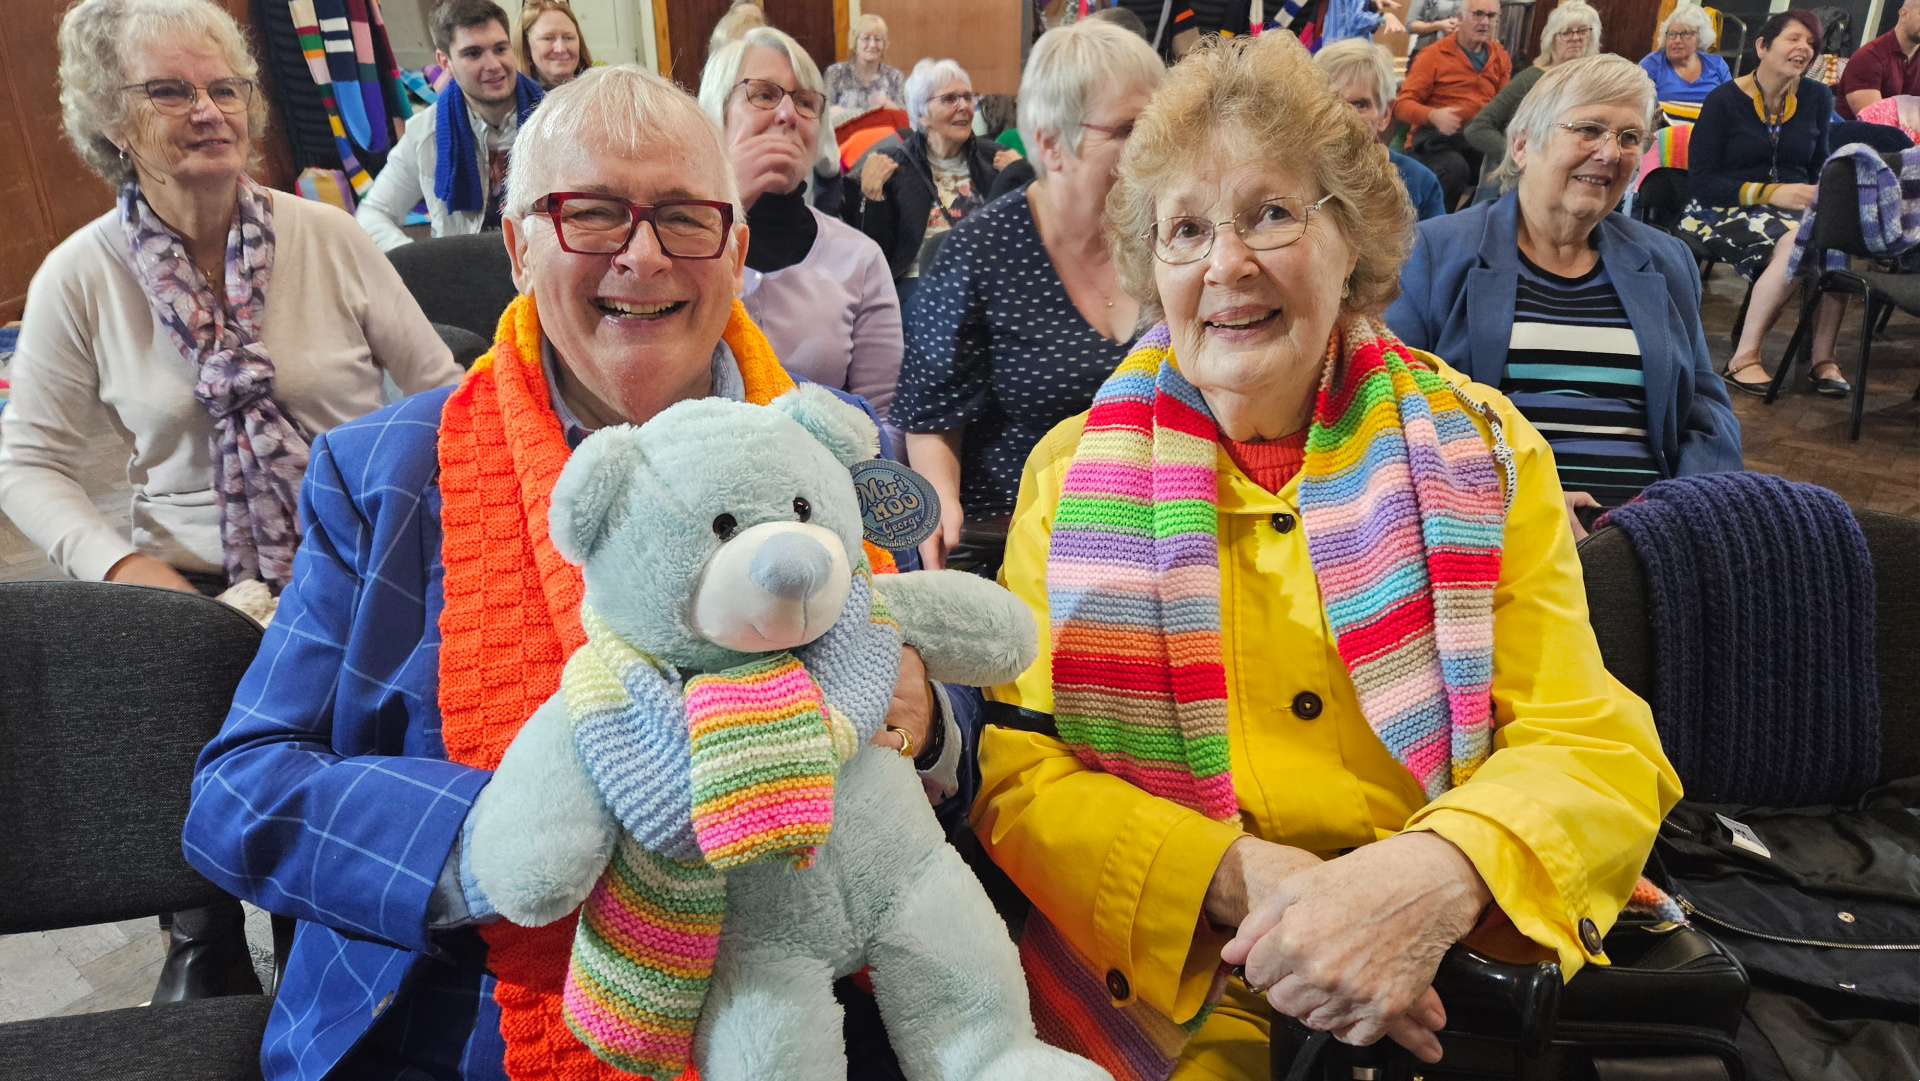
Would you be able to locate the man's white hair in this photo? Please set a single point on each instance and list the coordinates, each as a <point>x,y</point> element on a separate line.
<point>722,74</point>
<point>625,108</point>
<point>928,76</point>
<point>1590,80</point>
<point>1068,70</point>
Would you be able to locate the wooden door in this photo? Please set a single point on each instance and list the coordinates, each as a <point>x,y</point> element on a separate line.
<point>983,35</point>
<point>1626,27</point>
<point>690,25</point>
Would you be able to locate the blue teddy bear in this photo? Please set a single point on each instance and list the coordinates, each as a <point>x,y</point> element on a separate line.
<point>706,764</point>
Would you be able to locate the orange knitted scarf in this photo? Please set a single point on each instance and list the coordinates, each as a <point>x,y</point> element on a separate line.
<point>511,620</point>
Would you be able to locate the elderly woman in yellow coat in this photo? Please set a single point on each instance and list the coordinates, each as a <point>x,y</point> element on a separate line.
<point>1318,696</point>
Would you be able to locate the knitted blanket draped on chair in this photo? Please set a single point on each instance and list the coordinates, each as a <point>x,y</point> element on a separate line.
<point>1762,602</point>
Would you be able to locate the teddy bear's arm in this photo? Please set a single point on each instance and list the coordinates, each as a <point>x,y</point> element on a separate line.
<point>967,629</point>
<point>541,833</point>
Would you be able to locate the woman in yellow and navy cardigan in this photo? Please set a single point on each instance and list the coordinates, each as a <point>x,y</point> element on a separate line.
<point>1315,644</point>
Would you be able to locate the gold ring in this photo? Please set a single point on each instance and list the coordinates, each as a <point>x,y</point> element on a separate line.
<point>1240,973</point>
<point>906,740</point>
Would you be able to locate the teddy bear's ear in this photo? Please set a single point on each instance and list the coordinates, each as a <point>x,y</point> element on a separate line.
<point>844,429</point>
<point>591,490</point>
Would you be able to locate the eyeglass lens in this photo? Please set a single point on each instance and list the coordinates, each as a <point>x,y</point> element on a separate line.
<point>604,226</point>
<point>178,95</point>
<point>1590,136</point>
<point>1274,223</point>
<point>762,94</point>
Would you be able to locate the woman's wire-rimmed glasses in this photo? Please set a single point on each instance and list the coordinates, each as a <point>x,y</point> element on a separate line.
<point>593,223</point>
<point>958,97</point>
<point>1588,136</point>
<point>177,97</point>
<point>1271,223</point>
<point>762,94</point>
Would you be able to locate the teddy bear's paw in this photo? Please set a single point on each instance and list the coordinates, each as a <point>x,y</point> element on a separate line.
<point>967,629</point>
<point>1031,1060</point>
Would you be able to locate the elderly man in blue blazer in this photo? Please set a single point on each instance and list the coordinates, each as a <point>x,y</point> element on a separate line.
<point>340,788</point>
<point>1587,320</point>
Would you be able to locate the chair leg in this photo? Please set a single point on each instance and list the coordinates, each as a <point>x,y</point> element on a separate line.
<point>1886,316</point>
<point>1860,377</point>
<point>1802,333</point>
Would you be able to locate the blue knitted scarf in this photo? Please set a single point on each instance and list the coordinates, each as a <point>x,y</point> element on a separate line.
<point>456,173</point>
<point>1762,602</point>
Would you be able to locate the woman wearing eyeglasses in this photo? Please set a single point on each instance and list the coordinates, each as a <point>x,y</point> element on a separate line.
<point>1587,320</point>
<point>864,80</point>
<point>818,287</point>
<point>1022,314</point>
<point>1318,697</point>
<point>913,191</point>
<point>1572,31</point>
<point>1682,70</point>
<point>218,326</point>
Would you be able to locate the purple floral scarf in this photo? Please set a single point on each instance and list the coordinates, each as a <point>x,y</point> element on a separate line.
<point>259,451</point>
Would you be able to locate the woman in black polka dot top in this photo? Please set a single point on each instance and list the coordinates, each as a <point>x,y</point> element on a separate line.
<point>1022,317</point>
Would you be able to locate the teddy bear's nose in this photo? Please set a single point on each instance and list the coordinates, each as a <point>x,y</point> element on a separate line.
<point>791,566</point>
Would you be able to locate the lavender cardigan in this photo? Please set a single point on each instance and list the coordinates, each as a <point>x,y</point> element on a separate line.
<point>833,317</point>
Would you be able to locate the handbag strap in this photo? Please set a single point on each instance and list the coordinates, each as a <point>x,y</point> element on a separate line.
<point>1166,9</point>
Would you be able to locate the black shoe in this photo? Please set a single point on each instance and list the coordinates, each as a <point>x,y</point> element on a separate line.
<point>1830,386</point>
<point>207,955</point>
<point>1757,389</point>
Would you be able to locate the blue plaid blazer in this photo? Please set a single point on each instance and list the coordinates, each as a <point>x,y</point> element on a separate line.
<point>328,796</point>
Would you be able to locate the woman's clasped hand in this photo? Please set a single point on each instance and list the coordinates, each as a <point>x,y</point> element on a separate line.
<point>1361,972</point>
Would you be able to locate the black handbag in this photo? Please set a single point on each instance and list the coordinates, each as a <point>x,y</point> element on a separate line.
<point>1666,1009</point>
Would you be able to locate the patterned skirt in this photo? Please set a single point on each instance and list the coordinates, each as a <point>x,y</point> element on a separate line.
<point>1743,237</point>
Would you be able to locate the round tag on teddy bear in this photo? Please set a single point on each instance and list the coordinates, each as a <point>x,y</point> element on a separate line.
<point>898,507</point>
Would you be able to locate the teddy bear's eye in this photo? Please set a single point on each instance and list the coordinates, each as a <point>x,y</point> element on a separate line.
<point>802,508</point>
<point>724,527</point>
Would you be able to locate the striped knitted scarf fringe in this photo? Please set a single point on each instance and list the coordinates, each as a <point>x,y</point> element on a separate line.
<point>763,748</point>
<point>511,618</point>
<point>1404,508</point>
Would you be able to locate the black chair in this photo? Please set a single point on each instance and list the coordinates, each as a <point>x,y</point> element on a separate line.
<point>1623,622</point>
<point>460,281</point>
<point>1836,227</point>
<point>1659,202</point>
<point>1737,55</point>
<point>108,694</point>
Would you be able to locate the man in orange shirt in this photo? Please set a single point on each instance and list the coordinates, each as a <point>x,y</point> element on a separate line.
<point>1449,82</point>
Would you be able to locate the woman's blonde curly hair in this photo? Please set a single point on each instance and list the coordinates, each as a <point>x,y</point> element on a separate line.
<point>1262,99</point>
<point>98,37</point>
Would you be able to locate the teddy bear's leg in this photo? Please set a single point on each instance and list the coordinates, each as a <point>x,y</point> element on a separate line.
<point>770,1013</point>
<point>541,835</point>
<point>950,986</point>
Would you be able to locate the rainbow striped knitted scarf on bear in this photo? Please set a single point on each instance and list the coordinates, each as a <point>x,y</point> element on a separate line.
<point>1404,509</point>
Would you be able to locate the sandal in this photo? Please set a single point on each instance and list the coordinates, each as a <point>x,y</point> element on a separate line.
<point>1758,389</point>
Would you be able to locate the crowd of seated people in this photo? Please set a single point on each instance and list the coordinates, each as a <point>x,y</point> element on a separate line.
<point>1173,350</point>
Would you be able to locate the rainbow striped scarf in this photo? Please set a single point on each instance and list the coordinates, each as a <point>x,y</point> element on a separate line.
<point>1403,506</point>
<point>763,747</point>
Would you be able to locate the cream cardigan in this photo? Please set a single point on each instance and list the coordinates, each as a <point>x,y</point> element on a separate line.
<point>337,317</point>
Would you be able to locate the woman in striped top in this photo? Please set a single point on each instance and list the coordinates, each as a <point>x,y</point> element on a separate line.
<point>1590,322</point>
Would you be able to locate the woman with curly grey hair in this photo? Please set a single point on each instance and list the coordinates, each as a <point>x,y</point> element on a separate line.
<point>1317,665</point>
<point>218,325</point>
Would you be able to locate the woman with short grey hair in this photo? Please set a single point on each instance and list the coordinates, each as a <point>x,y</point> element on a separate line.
<point>218,325</point>
<point>948,171</point>
<point>1023,314</point>
<point>1572,31</point>
<point>819,288</point>
<point>1587,320</point>
<point>1683,69</point>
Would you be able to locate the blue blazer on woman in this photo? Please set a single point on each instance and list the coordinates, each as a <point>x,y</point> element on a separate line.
<point>1456,302</point>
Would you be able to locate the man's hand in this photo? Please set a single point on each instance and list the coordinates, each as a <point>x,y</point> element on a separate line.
<point>912,707</point>
<point>874,176</point>
<point>1005,158</point>
<point>1576,500</point>
<point>1445,121</point>
<point>142,570</point>
<point>1351,946</point>
<point>767,162</point>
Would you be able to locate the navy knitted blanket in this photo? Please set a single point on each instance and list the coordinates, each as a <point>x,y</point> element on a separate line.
<point>1761,595</point>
